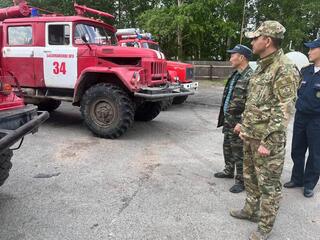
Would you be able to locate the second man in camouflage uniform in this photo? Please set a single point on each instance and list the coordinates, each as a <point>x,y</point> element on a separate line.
<point>233,103</point>
<point>272,93</point>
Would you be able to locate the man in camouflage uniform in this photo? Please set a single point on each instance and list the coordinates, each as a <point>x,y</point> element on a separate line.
<point>233,103</point>
<point>272,93</point>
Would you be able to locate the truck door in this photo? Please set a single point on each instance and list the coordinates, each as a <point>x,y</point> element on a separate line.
<point>18,53</point>
<point>60,57</point>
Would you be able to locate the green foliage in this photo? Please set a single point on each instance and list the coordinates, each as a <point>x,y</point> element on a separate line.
<point>125,11</point>
<point>300,18</point>
<point>5,3</point>
<point>207,27</point>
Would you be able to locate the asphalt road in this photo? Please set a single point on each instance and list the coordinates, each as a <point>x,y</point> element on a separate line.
<point>156,182</point>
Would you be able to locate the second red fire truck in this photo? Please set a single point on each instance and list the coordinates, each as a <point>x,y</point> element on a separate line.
<point>177,71</point>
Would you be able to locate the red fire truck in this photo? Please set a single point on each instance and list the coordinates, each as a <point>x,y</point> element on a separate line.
<point>16,119</point>
<point>77,59</point>
<point>177,71</point>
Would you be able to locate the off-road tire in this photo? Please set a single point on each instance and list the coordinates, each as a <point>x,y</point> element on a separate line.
<point>5,165</point>
<point>166,104</point>
<point>107,110</point>
<point>147,111</point>
<point>179,100</point>
<point>49,105</point>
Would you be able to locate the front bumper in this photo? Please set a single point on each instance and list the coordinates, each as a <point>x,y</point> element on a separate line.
<point>193,86</point>
<point>15,124</point>
<point>155,94</point>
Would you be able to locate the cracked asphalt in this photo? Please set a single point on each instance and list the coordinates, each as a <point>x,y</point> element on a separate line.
<point>156,182</point>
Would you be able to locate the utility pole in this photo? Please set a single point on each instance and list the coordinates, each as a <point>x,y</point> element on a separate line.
<point>119,11</point>
<point>179,36</point>
<point>243,18</point>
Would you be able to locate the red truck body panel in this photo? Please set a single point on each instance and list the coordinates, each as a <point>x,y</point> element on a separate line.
<point>10,101</point>
<point>180,69</point>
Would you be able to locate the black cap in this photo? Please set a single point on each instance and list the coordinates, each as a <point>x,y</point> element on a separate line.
<point>243,50</point>
<point>313,44</point>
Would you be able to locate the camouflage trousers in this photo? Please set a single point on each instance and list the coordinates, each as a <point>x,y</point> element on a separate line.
<point>233,153</point>
<point>262,182</point>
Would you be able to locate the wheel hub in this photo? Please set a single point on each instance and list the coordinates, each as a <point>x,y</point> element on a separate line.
<point>103,112</point>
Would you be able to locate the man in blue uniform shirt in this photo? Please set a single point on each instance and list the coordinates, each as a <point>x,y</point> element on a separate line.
<point>306,131</point>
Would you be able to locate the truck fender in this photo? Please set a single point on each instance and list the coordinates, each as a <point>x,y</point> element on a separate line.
<point>94,75</point>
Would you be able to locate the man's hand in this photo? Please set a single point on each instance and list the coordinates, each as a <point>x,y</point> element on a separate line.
<point>241,136</point>
<point>264,152</point>
<point>237,128</point>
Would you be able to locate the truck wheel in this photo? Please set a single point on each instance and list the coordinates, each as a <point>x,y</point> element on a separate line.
<point>179,100</point>
<point>107,110</point>
<point>147,111</point>
<point>5,165</point>
<point>49,105</point>
<point>166,104</point>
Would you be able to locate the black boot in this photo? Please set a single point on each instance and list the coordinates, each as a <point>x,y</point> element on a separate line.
<point>238,187</point>
<point>292,184</point>
<point>223,175</point>
<point>308,193</point>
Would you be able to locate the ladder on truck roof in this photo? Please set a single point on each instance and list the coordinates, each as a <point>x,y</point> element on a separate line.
<point>22,9</point>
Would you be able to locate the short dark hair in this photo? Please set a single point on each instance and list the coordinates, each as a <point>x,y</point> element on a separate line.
<point>276,42</point>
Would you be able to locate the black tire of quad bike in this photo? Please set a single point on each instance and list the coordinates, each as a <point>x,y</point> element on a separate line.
<point>166,104</point>
<point>5,165</point>
<point>107,110</point>
<point>179,100</point>
<point>147,111</point>
<point>49,105</point>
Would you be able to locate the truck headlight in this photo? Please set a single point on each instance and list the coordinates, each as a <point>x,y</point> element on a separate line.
<point>136,75</point>
<point>135,78</point>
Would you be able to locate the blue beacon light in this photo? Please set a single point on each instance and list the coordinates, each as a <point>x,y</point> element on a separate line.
<point>34,12</point>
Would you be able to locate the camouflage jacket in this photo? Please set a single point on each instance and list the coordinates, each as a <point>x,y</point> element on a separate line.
<point>272,93</point>
<point>237,100</point>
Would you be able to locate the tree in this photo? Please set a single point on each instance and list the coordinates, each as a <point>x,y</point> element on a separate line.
<point>206,28</point>
<point>205,25</point>
<point>126,12</point>
<point>300,18</point>
<point>5,3</point>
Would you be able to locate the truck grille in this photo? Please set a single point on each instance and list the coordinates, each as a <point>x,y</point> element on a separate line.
<point>158,67</point>
<point>158,70</point>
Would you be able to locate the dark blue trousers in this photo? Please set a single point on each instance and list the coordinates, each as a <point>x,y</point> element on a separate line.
<point>306,136</point>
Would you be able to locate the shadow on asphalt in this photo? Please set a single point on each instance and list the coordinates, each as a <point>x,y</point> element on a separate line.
<point>72,121</point>
<point>69,119</point>
<point>63,117</point>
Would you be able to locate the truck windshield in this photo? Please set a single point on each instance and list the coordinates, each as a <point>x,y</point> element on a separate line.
<point>153,46</point>
<point>93,35</point>
<point>130,44</point>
